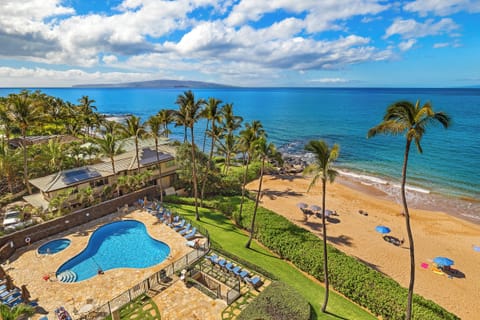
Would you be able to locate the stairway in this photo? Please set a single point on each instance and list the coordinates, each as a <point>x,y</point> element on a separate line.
<point>67,276</point>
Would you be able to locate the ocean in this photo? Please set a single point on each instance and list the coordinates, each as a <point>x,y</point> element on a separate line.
<point>447,174</point>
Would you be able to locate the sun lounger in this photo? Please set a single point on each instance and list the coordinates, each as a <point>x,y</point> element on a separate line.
<point>191,234</point>
<point>213,258</point>
<point>179,226</point>
<point>193,244</point>
<point>222,262</point>
<point>236,270</point>
<point>229,266</point>
<point>186,230</point>
<point>255,281</point>
<point>243,274</point>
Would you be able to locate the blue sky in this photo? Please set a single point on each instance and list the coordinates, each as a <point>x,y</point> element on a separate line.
<point>358,43</point>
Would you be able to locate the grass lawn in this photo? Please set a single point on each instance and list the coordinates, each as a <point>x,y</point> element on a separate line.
<point>233,239</point>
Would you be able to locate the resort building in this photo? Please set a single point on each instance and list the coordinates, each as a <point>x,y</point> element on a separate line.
<point>100,178</point>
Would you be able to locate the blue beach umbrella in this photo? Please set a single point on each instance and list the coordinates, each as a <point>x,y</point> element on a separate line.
<point>382,229</point>
<point>476,248</point>
<point>442,261</point>
<point>302,205</point>
<point>314,207</point>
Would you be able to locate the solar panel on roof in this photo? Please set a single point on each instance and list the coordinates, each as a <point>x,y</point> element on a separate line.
<point>79,175</point>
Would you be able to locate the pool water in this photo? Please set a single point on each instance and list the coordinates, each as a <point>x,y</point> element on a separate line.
<point>121,244</point>
<point>53,246</point>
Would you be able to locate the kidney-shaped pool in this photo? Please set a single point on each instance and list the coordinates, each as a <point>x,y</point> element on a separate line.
<point>121,244</point>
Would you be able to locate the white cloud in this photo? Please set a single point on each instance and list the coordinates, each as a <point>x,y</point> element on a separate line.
<point>410,28</point>
<point>109,59</point>
<point>441,45</point>
<point>407,45</point>
<point>15,77</point>
<point>442,7</point>
<point>330,80</point>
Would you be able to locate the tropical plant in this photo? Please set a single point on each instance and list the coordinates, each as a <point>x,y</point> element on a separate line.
<point>248,137</point>
<point>322,169</point>
<point>211,113</point>
<point>134,128</point>
<point>22,309</point>
<point>193,111</point>
<point>156,129</point>
<point>411,119</point>
<point>230,123</point>
<point>263,151</point>
<point>55,154</point>
<point>24,112</point>
<point>86,113</point>
<point>166,117</point>
<point>8,164</point>
<point>110,147</point>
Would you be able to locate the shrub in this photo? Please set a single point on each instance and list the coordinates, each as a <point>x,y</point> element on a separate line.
<point>277,302</point>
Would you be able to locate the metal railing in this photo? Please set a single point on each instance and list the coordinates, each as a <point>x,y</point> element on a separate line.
<point>161,278</point>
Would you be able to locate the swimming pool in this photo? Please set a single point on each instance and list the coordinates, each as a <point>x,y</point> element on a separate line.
<point>121,244</point>
<point>53,246</point>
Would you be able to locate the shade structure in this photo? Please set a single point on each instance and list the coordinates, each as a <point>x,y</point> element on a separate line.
<point>382,229</point>
<point>314,207</point>
<point>443,261</point>
<point>302,205</point>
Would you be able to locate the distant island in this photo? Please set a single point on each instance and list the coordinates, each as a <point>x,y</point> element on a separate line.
<point>156,84</point>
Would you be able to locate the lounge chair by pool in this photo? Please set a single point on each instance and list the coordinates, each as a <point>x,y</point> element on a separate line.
<point>192,234</point>
<point>229,266</point>
<point>186,230</point>
<point>222,262</point>
<point>213,258</point>
<point>236,270</point>
<point>255,281</point>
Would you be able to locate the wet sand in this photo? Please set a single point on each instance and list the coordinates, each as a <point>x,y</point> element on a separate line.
<point>435,234</point>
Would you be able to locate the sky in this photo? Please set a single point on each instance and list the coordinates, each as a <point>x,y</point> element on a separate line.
<point>248,43</point>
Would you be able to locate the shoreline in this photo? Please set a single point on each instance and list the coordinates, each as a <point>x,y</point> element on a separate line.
<point>436,233</point>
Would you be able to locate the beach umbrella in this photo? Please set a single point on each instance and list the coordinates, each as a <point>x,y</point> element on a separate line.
<point>302,205</point>
<point>314,207</point>
<point>443,261</point>
<point>382,229</point>
<point>328,213</point>
<point>476,248</point>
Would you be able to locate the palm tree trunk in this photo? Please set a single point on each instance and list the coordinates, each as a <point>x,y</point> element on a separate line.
<point>409,232</point>
<point>194,168</point>
<point>185,134</point>
<point>136,154</point>
<point>325,255</point>
<point>257,200</point>
<point>209,165</point>
<point>243,190</point>
<point>159,169</point>
<point>25,162</point>
<point>205,136</point>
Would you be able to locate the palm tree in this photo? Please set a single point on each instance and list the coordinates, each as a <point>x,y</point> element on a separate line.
<point>109,147</point>
<point>411,119</point>
<point>24,112</point>
<point>193,111</point>
<point>181,120</point>
<point>211,113</point>
<point>8,164</point>
<point>264,151</point>
<point>156,126</point>
<point>248,137</point>
<point>166,117</point>
<point>230,123</point>
<point>86,111</point>
<point>134,128</point>
<point>324,157</point>
<point>54,153</point>
<point>7,313</point>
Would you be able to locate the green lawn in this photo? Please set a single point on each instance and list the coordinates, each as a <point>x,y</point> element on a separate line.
<point>233,239</point>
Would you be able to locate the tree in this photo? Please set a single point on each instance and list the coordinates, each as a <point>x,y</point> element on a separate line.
<point>86,113</point>
<point>24,112</point>
<point>193,111</point>
<point>263,151</point>
<point>134,128</point>
<point>411,119</point>
<point>22,309</point>
<point>8,164</point>
<point>230,123</point>
<point>156,129</point>
<point>109,147</point>
<point>211,113</point>
<point>248,137</point>
<point>166,117</point>
<point>324,157</point>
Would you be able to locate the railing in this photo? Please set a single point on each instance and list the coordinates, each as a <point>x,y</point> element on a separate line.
<point>154,281</point>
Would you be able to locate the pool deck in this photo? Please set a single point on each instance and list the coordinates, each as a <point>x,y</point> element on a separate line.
<point>28,267</point>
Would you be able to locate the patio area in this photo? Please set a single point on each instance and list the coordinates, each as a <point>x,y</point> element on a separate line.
<point>27,267</point>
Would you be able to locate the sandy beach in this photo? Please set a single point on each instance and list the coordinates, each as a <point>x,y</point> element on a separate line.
<point>435,234</point>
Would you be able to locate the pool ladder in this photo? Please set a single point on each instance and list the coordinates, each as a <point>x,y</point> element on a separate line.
<point>67,276</point>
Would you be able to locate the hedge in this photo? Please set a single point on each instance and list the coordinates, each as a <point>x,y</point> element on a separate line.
<point>277,302</point>
<point>367,287</point>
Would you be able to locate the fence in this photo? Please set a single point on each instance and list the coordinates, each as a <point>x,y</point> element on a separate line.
<point>161,278</point>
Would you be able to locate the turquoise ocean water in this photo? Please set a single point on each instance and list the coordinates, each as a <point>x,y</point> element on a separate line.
<point>449,168</point>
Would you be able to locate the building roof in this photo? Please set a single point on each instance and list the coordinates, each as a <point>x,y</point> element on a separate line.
<point>123,162</point>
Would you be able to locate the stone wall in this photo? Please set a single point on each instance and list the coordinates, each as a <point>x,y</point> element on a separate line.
<point>9,243</point>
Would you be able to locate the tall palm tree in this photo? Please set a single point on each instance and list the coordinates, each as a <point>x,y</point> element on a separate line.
<point>86,112</point>
<point>248,137</point>
<point>109,147</point>
<point>134,128</point>
<point>193,111</point>
<point>5,121</point>
<point>166,117</point>
<point>24,112</point>
<point>263,151</point>
<point>211,113</point>
<point>181,119</point>
<point>230,123</point>
<point>156,128</point>
<point>411,119</point>
<point>322,168</point>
